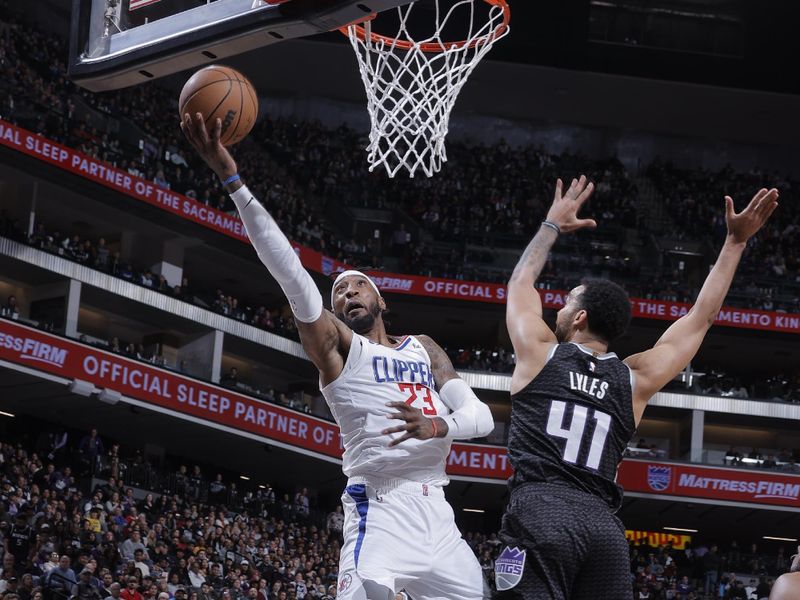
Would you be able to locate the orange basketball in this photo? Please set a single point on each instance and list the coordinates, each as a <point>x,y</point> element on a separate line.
<point>219,92</point>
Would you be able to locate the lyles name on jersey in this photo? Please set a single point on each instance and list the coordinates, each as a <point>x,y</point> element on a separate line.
<point>401,371</point>
<point>588,385</point>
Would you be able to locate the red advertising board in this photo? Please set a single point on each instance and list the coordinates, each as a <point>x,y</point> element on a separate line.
<point>42,351</point>
<point>23,345</point>
<point>146,191</point>
<point>734,485</point>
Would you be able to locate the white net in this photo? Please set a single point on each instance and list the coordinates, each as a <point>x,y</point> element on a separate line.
<point>413,84</point>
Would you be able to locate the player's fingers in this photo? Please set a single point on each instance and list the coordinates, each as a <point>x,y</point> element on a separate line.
<point>766,202</point>
<point>397,429</point>
<point>756,199</point>
<point>588,223</point>
<point>574,189</point>
<point>769,210</point>
<point>729,207</point>
<point>200,128</point>
<point>401,439</point>
<point>397,416</point>
<point>559,188</point>
<point>217,131</point>
<point>188,127</point>
<point>401,406</point>
<point>586,193</point>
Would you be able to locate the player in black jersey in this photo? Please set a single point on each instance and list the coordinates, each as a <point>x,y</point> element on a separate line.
<point>575,407</point>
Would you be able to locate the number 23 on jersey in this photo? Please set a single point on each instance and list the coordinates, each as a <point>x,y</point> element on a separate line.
<point>417,390</point>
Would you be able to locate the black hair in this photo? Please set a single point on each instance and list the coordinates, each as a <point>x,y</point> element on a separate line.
<point>607,306</point>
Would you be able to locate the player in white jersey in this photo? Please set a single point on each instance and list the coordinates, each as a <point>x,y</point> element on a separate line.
<point>399,532</point>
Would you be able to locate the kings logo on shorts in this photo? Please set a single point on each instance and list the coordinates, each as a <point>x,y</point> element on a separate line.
<point>508,568</point>
<point>658,478</point>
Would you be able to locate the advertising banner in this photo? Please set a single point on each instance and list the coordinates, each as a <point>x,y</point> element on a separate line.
<point>656,539</point>
<point>736,485</point>
<point>29,347</point>
<point>186,208</point>
<point>23,345</point>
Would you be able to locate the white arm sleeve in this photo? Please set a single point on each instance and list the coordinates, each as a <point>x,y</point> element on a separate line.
<point>279,257</point>
<point>470,418</point>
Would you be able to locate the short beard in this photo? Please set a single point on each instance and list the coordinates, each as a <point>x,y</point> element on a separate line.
<point>364,323</point>
<point>562,334</point>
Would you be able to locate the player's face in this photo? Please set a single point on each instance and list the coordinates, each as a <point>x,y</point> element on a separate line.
<point>356,304</point>
<point>566,316</point>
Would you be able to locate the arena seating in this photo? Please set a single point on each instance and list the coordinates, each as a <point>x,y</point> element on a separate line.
<point>100,254</point>
<point>74,527</point>
<point>302,163</point>
<point>69,498</point>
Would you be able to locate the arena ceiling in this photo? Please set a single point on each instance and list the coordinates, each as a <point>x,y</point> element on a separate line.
<point>679,67</point>
<point>718,42</point>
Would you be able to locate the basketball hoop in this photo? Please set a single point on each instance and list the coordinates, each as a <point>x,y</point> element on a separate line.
<point>413,84</point>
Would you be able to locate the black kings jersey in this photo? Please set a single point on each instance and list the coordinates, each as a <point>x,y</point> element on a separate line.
<point>572,423</point>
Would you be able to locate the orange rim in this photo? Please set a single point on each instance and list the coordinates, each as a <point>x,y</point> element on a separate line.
<point>432,47</point>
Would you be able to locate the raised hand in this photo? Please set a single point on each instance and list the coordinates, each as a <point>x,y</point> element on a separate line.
<point>208,145</point>
<point>564,210</point>
<point>744,225</point>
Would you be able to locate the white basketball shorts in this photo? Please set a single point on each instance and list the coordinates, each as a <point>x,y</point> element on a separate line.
<point>402,535</point>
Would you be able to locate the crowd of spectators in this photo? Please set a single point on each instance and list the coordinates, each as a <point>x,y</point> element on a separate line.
<point>193,538</point>
<point>204,540</point>
<point>85,520</point>
<point>705,572</point>
<point>496,360</point>
<point>781,460</point>
<point>36,93</point>
<point>104,256</point>
<point>487,196</point>
<point>770,270</point>
<point>781,387</point>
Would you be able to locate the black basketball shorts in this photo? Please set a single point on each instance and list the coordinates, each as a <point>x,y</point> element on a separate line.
<point>561,544</point>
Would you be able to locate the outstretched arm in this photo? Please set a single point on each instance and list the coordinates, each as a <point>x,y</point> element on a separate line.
<point>530,335</point>
<point>470,418</point>
<point>324,338</point>
<point>654,368</point>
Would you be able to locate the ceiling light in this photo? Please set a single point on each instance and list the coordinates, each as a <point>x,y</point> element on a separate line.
<point>6,414</point>
<point>475,510</point>
<point>684,529</point>
<point>245,477</point>
<point>779,539</point>
<point>82,388</point>
<point>111,397</point>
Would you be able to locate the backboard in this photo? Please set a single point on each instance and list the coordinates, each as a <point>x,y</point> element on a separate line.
<point>119,43</point>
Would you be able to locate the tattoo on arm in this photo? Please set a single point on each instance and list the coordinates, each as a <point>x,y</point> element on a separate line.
<point>441,365</point>
<point>534,258</point>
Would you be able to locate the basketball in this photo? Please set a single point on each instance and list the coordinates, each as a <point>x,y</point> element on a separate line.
<point>219,92</point>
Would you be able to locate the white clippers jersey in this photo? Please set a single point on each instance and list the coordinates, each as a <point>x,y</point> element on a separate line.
<point>374,375</point>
